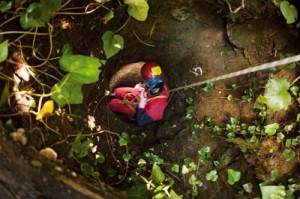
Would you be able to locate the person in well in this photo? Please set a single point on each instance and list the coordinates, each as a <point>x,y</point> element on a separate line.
<point>147,101</point>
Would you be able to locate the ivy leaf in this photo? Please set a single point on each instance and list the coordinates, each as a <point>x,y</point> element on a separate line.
<point>269,192</point>
<point>99,158</point>
<point>110,15</point>
<point>38,14</point>
<point>175,168</point>
<point>126,157</point>
<point>212,176</point>
<point>139,190</point>
<point>67,92</point>
<point>248,187</point>
<point>66,50</point>
<point>174,195</point>
<point>289,12</point>
<point>52,4</point>
<point>3,51</point>
<point>271,129</point>
<point>47,109</point>
<point>81,149</point>
<point>291,65</point>
<point>86,169</point>
<point>112,43</point>
<point>124,139</point>
<point>277,96</point>
<point>233,176</point>
<point>157,174</point>
<point>32,17</point>
<point>288,154</point>
<point>5,6</point>
<point>193,180</point>
<point>208,87</point>
<point>83,69</point>
<point>138,9</point>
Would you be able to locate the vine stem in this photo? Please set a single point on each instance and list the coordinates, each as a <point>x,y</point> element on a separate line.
<point>23,32</point>
<point>151,45</point>
<point>295,81</point>
<point>86,10</point>
<point>9,20</point>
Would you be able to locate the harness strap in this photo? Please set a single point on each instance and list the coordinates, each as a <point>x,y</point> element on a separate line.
<point>125,101</point>
<point>157,97</point>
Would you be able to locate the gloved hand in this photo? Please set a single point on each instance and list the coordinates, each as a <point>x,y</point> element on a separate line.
<point>143,99</point>
<point>140,86</point>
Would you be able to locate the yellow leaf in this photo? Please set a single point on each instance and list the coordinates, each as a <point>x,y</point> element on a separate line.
<point>47,109</point>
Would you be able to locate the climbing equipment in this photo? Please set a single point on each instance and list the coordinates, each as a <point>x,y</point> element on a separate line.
<point>285,61</point>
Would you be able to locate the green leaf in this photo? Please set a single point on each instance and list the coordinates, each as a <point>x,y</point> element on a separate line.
<point>157,174</point>
<point>174,195</point>
<point>153,159</point>
<point>233,176</point>
<point>138,9</point>
<point>111,172</point>
<point>208,87</point>
<point>138,191</point>
<point>294,90</point>
<point>5,94</point>
<point>298,117</point>
<point>99,158</point>
<point>126,157</point>
<point>274,174</point>
<point>5,6</point>
<point>52,4</point>
<point>122,142</point>
<point>32,17</point>
<point>38,14</point>
<point>110,15</point>
<point>272,192</point>
<point>86,169</point>
<point>175,168</point>
<point>288,154</point>
<point>289,12</point>
<point>141,162</point>
<point>291,65</point>
<point>159,195</point>
<point>112,43</point>
<point>83,69</point>
<point>81,149</point>
<point>204,153</point>
<point>212,176</point>
<point>3,51</point>
<point>124,139</point>
<point>184,170</point>
<point>67,92</point>
<point>9,126</point>
<point>194,181</point>
<point>67,50</point>
<point>280,136</point>
<point>277,96</point>
<point>271,129</point>
<point>248,187</point>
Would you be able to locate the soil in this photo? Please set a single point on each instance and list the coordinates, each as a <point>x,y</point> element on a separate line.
<point>184,37</point>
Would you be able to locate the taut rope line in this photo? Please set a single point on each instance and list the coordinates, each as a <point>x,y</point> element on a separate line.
<point>288,60</point>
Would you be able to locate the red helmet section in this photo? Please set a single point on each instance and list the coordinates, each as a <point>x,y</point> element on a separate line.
<point>151,70</point>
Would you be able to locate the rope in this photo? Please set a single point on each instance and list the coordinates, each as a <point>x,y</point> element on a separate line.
<point>288,60</point>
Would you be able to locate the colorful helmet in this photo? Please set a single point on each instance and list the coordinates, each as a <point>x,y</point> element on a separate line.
<point>151,70</point>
